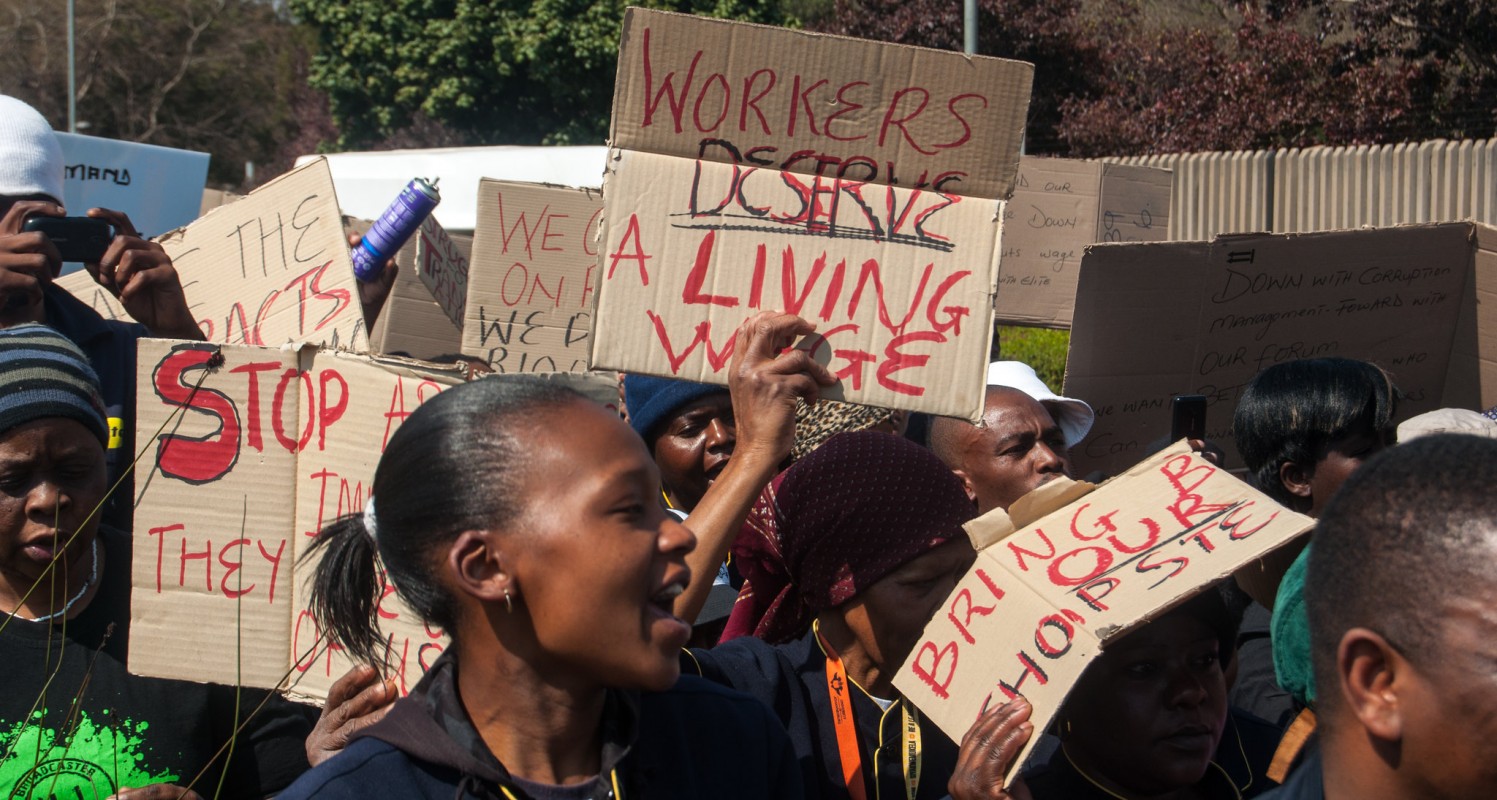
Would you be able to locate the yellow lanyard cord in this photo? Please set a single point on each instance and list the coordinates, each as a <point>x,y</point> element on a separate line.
<point>613,777</point>
<point>912,761</point>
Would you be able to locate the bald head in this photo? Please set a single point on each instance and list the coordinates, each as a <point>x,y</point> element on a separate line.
<point>1017,447</point>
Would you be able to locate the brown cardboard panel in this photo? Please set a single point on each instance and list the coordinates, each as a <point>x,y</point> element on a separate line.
<point>254,455</point>
<point>1059,207</point>
<point>1153,320</point>
<point>1045,594</point>
<point>334,476</point>
<point>532,277</point>
<point>1472,382</point>
<point>782,99</point>
<point>442,261</point>
<point>413,323</point>
<point>899,282</point>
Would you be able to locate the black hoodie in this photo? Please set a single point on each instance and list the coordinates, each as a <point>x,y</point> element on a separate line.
<point>696,740</point>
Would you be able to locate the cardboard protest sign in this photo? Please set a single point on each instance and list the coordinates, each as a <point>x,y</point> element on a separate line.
<point>442,262</point>
<point>1072,567</point>
<point>1155,320</point>
<point>413,322</point>
<point>268,269</point>
<point>245,459</point>
<point>855,183</point>
<point>1059,207</point>
<point>159,188</point>
<point>532,278</point>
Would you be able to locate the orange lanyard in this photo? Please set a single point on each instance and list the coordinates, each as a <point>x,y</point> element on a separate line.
<point>839,691</point>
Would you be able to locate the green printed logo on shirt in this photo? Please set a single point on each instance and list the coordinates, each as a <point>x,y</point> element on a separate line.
<point>90,764</point>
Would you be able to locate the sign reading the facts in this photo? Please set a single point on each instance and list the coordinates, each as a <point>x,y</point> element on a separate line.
<point>1155,320</point>
<point>259,448</point>
<point>854,183</point>
<point>1071,567</point>
<point>268,269</point>
<point>533,276</point>
<point>1058,208</point>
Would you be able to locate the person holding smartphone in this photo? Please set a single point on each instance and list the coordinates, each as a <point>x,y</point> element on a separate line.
<point>136,271</point>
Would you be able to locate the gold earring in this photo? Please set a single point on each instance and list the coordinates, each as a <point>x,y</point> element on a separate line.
<point>509,604</point>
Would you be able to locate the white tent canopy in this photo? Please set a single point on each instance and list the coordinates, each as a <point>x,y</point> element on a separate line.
<point>368,181</point>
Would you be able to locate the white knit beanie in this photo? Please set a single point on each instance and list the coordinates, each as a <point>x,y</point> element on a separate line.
<point>30,156</point>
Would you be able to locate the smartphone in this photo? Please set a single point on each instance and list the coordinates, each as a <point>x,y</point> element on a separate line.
<point>1188,417</point>
<point>82,239</point>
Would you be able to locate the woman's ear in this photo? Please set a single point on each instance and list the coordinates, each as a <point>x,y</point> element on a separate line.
<point>1296,478</point>
<point>478,567</point>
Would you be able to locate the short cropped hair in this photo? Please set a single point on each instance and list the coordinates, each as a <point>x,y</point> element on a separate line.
<point>1414,526</point>
<point>1294,410</point>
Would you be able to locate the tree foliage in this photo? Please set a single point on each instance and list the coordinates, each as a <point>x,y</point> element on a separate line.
<point>1113,78</point>
<point>479,71</point>
<point>220,76</point>
<point>1066,45</point>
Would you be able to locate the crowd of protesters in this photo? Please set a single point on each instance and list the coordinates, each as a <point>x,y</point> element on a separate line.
<point>710,596</point>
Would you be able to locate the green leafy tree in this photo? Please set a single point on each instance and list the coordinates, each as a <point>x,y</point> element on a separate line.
<point>480,72</point>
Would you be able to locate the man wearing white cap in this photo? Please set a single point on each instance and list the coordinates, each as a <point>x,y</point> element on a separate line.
<point>134,270</point>
<point>1024,439</point>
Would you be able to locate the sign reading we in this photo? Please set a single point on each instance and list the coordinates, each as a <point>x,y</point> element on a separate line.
<point>533,276</point>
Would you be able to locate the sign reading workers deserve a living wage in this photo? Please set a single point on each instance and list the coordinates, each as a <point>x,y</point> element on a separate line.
<point>533,277</point>
<point>854,183</point>
<point>1071,567</point>
<point>1155,320</point>
<point>248,452</point>
<point>1059,207</point>
<point>267,269</point>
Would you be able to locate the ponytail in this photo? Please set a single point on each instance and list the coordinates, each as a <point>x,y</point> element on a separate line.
<point>346,587</point>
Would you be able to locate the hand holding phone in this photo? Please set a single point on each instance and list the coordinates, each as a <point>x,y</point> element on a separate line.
<point>83,239</point>
<point>1188,417</point>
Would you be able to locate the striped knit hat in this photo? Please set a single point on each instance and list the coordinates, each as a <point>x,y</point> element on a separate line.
<point>43,374</point>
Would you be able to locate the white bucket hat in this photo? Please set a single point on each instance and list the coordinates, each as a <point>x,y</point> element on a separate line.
<point>1447,420</point>
<point>30,155</point>
<point>1075,417</point>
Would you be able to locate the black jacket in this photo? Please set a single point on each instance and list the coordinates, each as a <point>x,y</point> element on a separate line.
<point>697,740</point>
<point>791,679</point>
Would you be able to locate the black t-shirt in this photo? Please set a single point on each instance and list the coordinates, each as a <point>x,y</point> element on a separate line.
<point>74,723</point>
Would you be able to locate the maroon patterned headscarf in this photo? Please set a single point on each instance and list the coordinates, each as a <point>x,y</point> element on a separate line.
<point>836,522</point>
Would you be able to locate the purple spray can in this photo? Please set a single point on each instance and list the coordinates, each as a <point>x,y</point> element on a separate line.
<point>394,228</point>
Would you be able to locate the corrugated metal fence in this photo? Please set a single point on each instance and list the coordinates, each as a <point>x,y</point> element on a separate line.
<point>1326,188</point>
